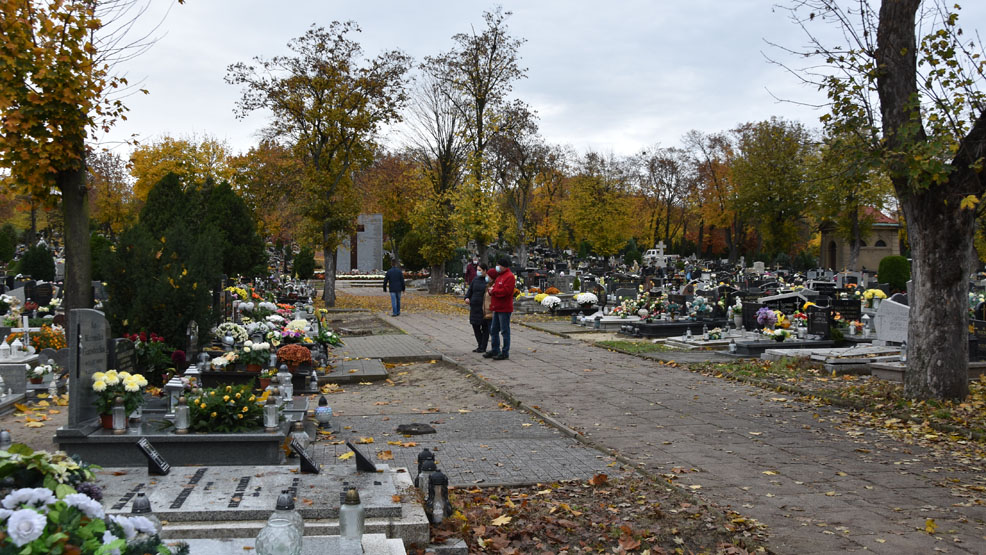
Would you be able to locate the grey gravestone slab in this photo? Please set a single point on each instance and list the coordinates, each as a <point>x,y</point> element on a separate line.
<point>122,356</point>
<point>977,347</point>
<point>354,371</point>
<point>818,321</point>
<point>758,267</point>
<point>850,309</point>
<point>88,333</point>
<point>891,321</point>
<point>19,293</point>
<point>15,376</point>
<point>750,316</point>
<point>236,493</point>
<point>98,291</point>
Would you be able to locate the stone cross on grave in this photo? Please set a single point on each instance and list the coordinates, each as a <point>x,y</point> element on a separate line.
<point>27,329</point>
<point>660,249</point>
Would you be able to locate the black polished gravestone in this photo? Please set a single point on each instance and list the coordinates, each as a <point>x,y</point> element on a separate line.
<point>122,356</point>
<point>850,309</point>
<point>750,316</point>
<point>818,321</point>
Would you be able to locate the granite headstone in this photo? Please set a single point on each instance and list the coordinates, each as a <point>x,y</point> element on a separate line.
<point>88,335</point>
<point>891,321</point>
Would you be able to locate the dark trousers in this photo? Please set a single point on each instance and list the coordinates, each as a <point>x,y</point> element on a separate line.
<point>482,332</point>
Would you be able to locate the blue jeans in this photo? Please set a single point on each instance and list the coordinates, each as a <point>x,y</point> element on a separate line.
<point>501,324</point>
<point>395,303</point>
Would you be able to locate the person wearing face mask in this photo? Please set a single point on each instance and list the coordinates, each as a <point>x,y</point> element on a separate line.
<point>475,296</point>
<point>502,303</point>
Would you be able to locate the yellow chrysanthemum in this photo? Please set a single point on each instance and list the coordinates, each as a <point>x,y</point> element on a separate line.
<point>239,416</point>
<point>124,375</point>
<point>99,385</point>
<point>202,406</point>
<point>225,397</point>
<point>213,415</point>
<point>99,376</point>
<point>238,395</point>
<point>131,386</point>
<point>246,409</point>
<point>141,380</point>
<point>111,378</point>
<point>253,397</point>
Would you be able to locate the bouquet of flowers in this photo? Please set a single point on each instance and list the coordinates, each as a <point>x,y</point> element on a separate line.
<point>36,521</point>
<point>871,294</point>
<point>150,350</point>
<point>540,297</point>
<point>294,354</point>
<point>112,384</point>
<point>40,371</point>
<point>328,337</point>
<point>586,298</point>
<point>226,409</point>
<point>700,306</point>
<point>221,362</point>
<point>737,308</point>
<point>255,353</point>
<point>715,333</point>
<point>800,319</point>
<point>766,317</point>
<point>238,332</point>
<point>550,302</point>
<point>780,334</point>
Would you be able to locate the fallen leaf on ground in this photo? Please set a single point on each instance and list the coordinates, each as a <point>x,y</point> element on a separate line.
<point>501,520</point>
<point>346,456</point>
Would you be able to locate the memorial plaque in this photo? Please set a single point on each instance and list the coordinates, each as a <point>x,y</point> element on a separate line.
<point>122,356</point>
<point>155,462</point>
<point>850,309</point>
<point>88,333</point>
<point>818,321</point>
<point>891,321</point>
<point>363,464</point>
<point>308,466</point>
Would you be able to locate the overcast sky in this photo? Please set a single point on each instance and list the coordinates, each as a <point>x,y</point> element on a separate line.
<point>614,76</point>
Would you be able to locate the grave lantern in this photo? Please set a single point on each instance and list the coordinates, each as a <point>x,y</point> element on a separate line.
<point>575,318</point>
<point>5,440</point>
<point>271,416</point>
<point>299,434</point>
<point>285,509</point>
<point>182,417</point>
<point>3,387</point>
<point>352,517</point>
<point>278,537</point>
<point>119,417</point>
<point>732,345</point>
<point>175,387</point>
<point>323,413</point>
<point>15,347</point>
<point>284,382</point>
<point>427,468</point>
<point>228,342</point>
<point>142,507</point>
<point>53,388</point>
<point>4,350</point>
<point>705,332</point>
<point>437,506</point>
<point>688,333</point>
<point>313,382</point>
<point>424,455</point>
<point>866,325</point>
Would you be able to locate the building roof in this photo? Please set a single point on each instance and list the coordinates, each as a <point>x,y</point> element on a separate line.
<point>877,216</point>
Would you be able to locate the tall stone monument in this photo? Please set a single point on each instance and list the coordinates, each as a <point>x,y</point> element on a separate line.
<point>363,250</point>
<point>88,336</point>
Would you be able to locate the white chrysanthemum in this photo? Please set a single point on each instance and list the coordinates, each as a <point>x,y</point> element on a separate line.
<point>124,375</point>
<point>143,525</point>
<point>35,497</point>
<point>247,343</point>
<point>131,385</point>
<point>99,376</point>
<point>99,386</point>
<point>112,378</point>
<point>246,349</point>
<point>109,538</point>
<point>25,526</point>
<point>128,527</point>
<point>141,380</point>
<point>89,506</point>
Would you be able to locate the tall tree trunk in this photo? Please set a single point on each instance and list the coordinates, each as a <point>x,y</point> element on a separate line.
<point>329,288</point>
<point>78,262</point>
<point>436,285</point>
<point>937,348</point>
<point>854,244</point>
<point>700,250</point>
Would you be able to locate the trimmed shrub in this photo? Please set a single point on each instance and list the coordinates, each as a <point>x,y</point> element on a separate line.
<point>304,263</point>
<point>8,243</point>
<point>895,271</point>
<point>38,263</point>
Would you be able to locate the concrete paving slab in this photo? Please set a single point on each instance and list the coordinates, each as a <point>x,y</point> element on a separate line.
<point>388,348</point>
<point>355,371</point>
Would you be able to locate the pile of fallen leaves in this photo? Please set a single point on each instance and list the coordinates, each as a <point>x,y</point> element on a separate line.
<point>629,514</point>
<point>416,302</point>
<point>36,414</point>
<point>949,425</point>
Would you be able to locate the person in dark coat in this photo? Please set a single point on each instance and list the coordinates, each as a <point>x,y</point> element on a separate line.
<point>474,296</point>
<point>394,279</point>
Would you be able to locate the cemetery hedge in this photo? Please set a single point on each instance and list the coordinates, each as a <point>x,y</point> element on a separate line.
<point>38,263</point>
<point>896,271</point>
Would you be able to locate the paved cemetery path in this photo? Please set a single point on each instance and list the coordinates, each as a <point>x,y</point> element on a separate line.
<point>819,486</point>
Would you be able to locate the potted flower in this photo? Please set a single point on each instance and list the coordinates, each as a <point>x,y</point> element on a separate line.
<point>766,317</point>
<point>586,300</point>
<point>778,335</point>
<point>238,332</point>
<point>737,311</point>
<point>265,377</point>
<point>37,374</point>
<point>254,355</point>
<point>226,409</point>
<point>112,384</point>
<point>551,302</point>
<point>874,297</point>
<point>293,355</point>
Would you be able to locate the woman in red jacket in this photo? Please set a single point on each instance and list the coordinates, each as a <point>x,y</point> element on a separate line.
<point>502,303</point>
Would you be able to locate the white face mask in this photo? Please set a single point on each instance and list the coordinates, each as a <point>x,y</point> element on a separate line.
<point>499,268</point>
<point>488,279</point>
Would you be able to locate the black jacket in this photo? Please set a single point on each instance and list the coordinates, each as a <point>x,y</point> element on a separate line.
<point>475,296</point>
<point>394,280</point>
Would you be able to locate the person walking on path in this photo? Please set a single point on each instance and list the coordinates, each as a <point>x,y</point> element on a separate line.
<point>475,297</point>
<point>502,303</point>
<point>394,279</point>
<point>472,270</point>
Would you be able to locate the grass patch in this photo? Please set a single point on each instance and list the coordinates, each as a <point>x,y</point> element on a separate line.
<point>634,347</point>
